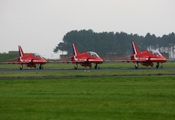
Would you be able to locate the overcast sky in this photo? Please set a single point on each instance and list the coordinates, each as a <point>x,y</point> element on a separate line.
<point>39,25</point>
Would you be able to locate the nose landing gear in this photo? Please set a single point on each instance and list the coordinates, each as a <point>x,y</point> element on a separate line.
<point>97,66</point>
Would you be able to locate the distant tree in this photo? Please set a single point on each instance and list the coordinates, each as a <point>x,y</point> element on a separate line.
<point>110,42</point>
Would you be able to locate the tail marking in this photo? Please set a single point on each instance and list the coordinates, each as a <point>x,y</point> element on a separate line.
<point>21,53</point>
<point>135,48</point>
<point>75,50</point>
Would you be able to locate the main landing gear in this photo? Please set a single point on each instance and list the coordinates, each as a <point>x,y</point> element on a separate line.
<point>21,67</point>
<point>76,66</point>
<point>158,65</point>
<point>97,66</point>
<point>136,65</point>
<point>40,67</point>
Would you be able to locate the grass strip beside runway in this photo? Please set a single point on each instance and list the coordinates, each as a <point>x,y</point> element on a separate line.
<point>89,98</point>
<point>83,73</point>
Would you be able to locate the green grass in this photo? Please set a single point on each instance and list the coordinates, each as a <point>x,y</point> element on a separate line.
<point>109,95</point>
<point>121,98</point>
<point>8,56</point>
<point>83,73</point>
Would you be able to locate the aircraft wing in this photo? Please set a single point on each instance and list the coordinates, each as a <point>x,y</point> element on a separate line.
<point>15,62</point>
<point>106,60</point>
<point>72,61</point>
<point>131,61</point>
<point>9,62</point>
<point>59,61</point>
<point>83,61</point>
<point>80,61</point>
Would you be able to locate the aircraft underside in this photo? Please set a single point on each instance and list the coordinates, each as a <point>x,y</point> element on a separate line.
<point>87,65</point>
<point>31,65</point>
<point>148,64</point>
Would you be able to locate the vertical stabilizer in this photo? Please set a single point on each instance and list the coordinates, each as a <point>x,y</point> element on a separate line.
<point>135,48</point>
<point>75,50</point>
<point>21,53</point>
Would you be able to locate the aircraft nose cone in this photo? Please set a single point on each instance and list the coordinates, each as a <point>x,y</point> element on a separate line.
<point>45,61</point>
<point>101,60</point>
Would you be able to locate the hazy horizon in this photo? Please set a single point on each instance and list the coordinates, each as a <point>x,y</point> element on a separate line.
<point>39,25</point>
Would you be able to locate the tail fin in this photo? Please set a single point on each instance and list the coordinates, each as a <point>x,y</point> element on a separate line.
<point>75,50</point>
<point>135,48</point>
<point>21,53</point>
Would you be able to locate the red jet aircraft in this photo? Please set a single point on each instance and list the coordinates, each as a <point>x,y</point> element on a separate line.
<point>30,60</point>
<point>145,58</point>
<point>85,59</point>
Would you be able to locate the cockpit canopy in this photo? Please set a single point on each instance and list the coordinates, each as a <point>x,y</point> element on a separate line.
<point>156,53</point>
<point>93,54</point>
<point>37,55</point>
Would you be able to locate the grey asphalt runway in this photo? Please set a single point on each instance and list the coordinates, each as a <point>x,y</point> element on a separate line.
<point>83,70</point>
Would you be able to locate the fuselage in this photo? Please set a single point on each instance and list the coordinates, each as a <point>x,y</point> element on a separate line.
<point>147,59</point>
<point>31,60</point>
<point>86,59</point>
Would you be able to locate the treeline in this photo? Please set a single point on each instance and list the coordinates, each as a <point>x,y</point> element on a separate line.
<point>113,43</point>
<point>8,56</point>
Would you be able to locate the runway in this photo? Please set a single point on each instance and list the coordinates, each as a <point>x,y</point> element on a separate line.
<point>83,70</point>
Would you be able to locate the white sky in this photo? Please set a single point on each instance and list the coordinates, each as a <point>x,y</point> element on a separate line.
<point>39,25</point>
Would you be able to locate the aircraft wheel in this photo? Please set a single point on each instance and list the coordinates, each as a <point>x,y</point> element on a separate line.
<point>96,66</point>
<point>40,67</point>
<point>20,67</point>
<point>157,66</point>
<point>75,67</point>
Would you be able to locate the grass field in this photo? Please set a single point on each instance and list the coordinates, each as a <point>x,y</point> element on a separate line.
<point>122,98</point>
<point>122,95</point>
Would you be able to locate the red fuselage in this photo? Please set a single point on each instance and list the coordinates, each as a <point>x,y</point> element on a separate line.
<point>31,60</point>
<point>86,59</point>
<point>147,59</point>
